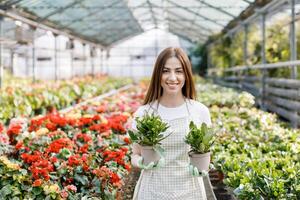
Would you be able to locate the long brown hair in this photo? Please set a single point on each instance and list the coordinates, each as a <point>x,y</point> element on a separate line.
<point>155,90</point>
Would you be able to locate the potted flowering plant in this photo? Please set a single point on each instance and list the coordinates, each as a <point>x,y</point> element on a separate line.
<point>149,134</point>
<point>200,139</point>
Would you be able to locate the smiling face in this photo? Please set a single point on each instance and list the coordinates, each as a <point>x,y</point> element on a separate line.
<point>172,75</point>
<point>173,78</point>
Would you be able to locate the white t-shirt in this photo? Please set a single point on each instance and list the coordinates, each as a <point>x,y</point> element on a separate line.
<point>199,112</point>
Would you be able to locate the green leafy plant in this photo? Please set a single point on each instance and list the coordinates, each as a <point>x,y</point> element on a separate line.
<point>200,138</point>
<point>150,130</point>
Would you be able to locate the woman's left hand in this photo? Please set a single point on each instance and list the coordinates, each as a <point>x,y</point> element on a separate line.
<point>194,171</point>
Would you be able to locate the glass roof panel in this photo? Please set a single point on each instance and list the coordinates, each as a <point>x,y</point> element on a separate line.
<point>108,21</point>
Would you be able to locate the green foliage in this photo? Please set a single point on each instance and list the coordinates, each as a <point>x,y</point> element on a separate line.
<point>200,52</point>
<point>200,139</point>
<point>258,154</point>
<point>36,99</point>
<point>150,129</point>
<point>228,52</point>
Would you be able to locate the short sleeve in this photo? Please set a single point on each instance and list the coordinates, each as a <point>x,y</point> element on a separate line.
<point>200,113</point>
<point>206,117</point>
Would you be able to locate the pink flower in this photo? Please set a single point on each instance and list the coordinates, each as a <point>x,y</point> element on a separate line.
<point>72,188</point>
<point>64,194</point>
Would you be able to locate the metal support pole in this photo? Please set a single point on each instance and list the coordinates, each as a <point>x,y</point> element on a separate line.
<point>207,57</point>
<point>263,59</point>
<point>106,61</point>
<point>1,45</point>
<point>33,56</point>
<point>101,61</point>
<point>12,54</point>
<point>293,40</point>
<point>72,58</point>
<point>55,57</point>
<point>231,57</point>
<point>84,58</point>
<point>293,49</point>
<point>92,49</point>
<point>246,44</point>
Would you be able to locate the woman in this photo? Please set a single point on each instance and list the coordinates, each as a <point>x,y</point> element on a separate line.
<point>171,95</point>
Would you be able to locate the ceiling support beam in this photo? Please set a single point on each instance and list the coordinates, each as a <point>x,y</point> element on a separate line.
<point>152,13</point>
<point>199,15</point>
<point>216,8</point>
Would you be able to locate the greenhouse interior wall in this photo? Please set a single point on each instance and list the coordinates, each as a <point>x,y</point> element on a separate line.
<point>131,58</point>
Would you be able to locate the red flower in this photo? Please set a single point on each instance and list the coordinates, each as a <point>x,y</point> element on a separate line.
<point>53,159</point>
<point>19,145</point>
<point>58,120</point>
<point>127,140</point>
<point>35,123</point>
<point>74,160</point>
<point>41,168</point>
<point>118,127</point>
<point>72,122</point>
<point>50,126</point>
<point>58,144</point>
<point>100,128</point>
<point>84,157</point>
<point>127,167</point>
<point>85,167</point>
<point>28,158</point>
<point>84,149</point>
<point>96,117</point>
<point>37,183</point>
<point>69,180</point>
<point>124,149</point>
<point>1,128</point>
<point>114,178</point>
<point>13,131</point>
<point>84,137</point>
<point>85,121</point>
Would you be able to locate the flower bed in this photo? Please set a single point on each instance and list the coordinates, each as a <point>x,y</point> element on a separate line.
<point>83,153</point>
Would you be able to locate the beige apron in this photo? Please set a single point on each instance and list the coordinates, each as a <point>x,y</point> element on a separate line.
<point>172,181</point>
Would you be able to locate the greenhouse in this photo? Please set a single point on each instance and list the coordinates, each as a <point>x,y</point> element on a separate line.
<point>150,99</point>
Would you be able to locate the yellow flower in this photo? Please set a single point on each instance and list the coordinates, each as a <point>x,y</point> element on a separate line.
<point>8,163</point>
<point>48,189</point>
<point>42,131</point>
<point>103,120</point>
<point>73,115</point>
<point>88,116</point>
<point>126,114</point>
<point>96,103</point>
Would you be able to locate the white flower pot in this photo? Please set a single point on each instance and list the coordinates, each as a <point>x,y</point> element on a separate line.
<point>201,161</point>
<point>149,155</point>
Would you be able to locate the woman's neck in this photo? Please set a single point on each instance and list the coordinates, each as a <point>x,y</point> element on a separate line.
<point>171,101</point>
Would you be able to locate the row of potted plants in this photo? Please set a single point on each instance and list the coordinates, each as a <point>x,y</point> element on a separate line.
<point>33,99</point>
<point>81,154</point>
<point>258,154</point>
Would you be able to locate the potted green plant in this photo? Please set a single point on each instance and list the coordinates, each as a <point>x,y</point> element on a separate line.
<point>200,139</point>
<point>149,134</point>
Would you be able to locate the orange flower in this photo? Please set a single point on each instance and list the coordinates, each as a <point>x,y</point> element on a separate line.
<point>37,183</point>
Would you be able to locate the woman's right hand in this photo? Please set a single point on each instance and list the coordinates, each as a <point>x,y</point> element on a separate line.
<point>151,165</point>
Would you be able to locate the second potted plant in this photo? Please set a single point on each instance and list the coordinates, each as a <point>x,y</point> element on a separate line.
<point>200,139</point>
<point>149,134</point>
